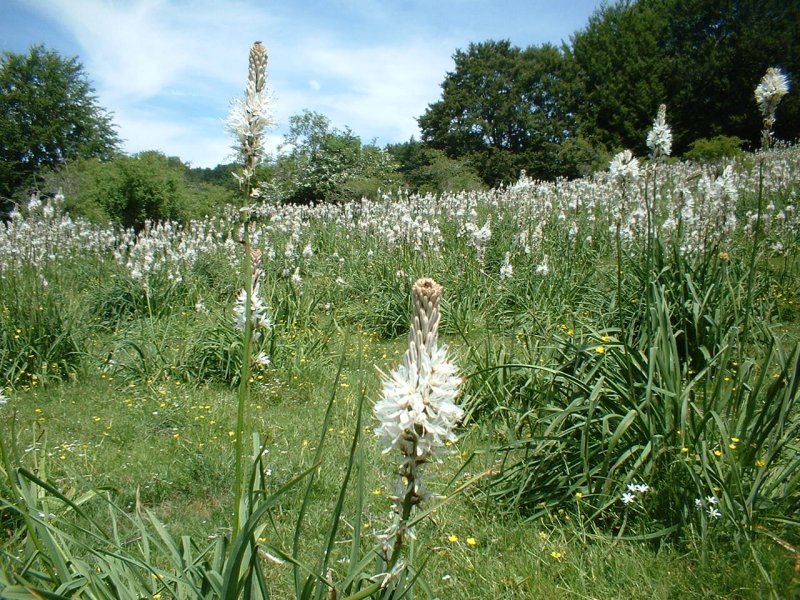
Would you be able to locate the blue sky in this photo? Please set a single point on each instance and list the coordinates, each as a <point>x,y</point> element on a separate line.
<point>168,69</point>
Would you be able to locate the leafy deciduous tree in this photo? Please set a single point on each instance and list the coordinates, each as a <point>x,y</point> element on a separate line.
<point>502,107</point>
<point>325,164</point>
<point>703,58</point>
<point>619,64</point>
<point>427,169</point>
<point>48,114</point>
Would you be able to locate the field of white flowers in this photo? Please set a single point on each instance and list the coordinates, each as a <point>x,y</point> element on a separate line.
<point>620,382</point>
<point>629,337</point>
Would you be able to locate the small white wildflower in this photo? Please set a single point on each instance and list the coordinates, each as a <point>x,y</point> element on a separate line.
<point>638,488</point>
<point>259,311</point>
<point>482,236</point>
<point>250,117</point>
<point>308,252</point>
<point>507,269</point>
<point>262,359</point>
<point>714,513</point>
<point>418,413</point>
<point>296,278</point>
<point>3,398</point>
<point>628,498</point>
<point>770,90</point>
<point>543,269</point>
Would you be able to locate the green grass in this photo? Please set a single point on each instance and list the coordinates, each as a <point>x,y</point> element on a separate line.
<point>675,370</point>
<point>169,447</point>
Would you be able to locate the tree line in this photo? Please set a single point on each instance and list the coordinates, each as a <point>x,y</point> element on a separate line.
<point>561,111</point>
<point>550,111</point>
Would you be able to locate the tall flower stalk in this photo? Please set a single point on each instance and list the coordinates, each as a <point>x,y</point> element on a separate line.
<point>768,93</point>
<point>773,86</point>
<point>659,141</point>
<point>248,120</point>
<point>418,410</point>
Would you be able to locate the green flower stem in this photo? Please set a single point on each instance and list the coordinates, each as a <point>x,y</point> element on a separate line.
<point>244,383</point>
<point>752,266</point>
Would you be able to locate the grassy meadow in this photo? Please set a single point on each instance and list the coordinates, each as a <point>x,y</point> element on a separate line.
<point>628,348</point>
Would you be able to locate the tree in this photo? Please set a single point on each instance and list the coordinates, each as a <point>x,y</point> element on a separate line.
<point>703,58</point>
<point>717,51</point>
<point>502,109</point>
<point>48,114</point>
<point>129,190</point>
<point>325,164</point>
<point>430,170</point>
<point>619,63</point>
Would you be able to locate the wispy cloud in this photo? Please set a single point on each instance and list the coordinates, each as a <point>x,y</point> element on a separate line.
<point>168,69</point>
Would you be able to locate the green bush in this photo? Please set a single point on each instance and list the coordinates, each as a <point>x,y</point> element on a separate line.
<point>130,190</point>
<point>721,146</point>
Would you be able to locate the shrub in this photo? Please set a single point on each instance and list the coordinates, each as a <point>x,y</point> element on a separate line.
<point>721,146</point>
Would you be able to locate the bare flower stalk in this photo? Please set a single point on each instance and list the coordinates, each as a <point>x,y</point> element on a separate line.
<point>418,410</point>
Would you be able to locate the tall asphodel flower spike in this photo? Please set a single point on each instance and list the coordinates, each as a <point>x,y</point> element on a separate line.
<point>248,120</point>
<point>659,139</point>
<point>418,411</point>
<point>769,92</point>
<point>251,116</point>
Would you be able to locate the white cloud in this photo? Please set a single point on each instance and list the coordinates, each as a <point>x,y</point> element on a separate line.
<point>201,143</point>
<point>167,69</point>
<point>376,90</point>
